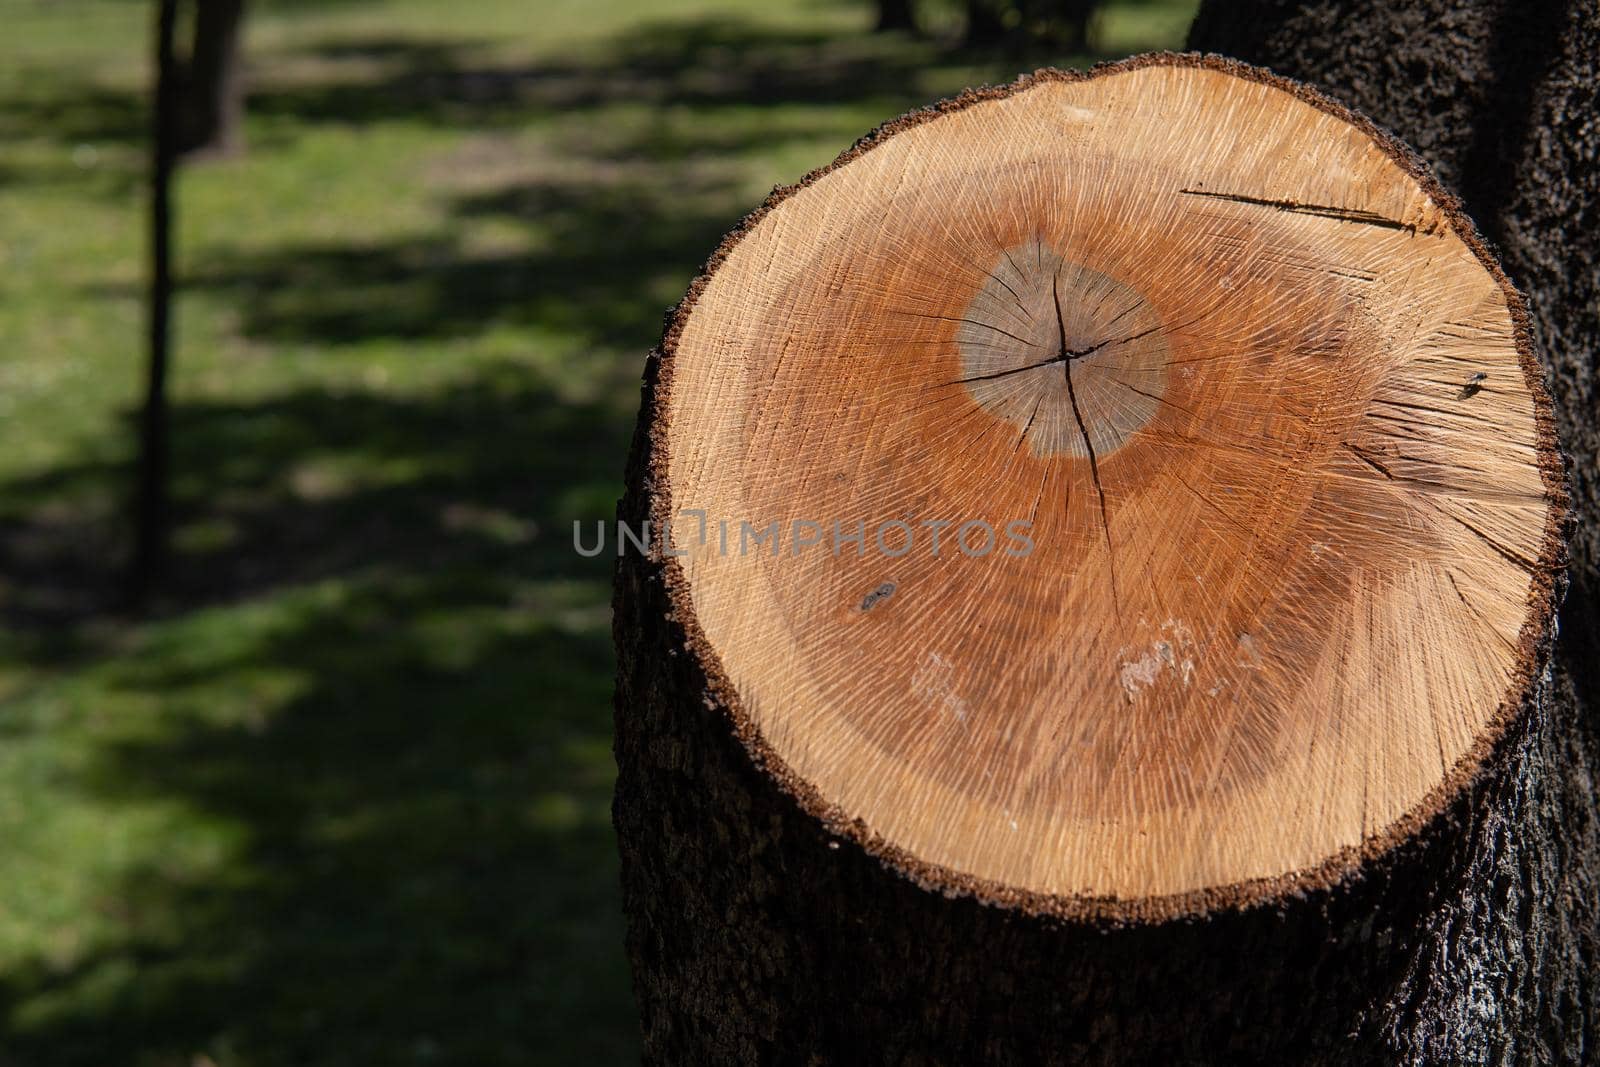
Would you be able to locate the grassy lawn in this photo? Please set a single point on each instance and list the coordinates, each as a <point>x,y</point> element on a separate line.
<point>344,797</point>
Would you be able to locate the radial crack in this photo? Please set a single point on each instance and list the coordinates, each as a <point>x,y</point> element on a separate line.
<point>1036,405</point>
<point>1326,211</point>
<point>970,322</point>
<point>1066,355</point>
<point>1094,464</point>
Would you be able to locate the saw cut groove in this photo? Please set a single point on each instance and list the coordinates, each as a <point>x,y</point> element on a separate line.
<point>1273,588</point>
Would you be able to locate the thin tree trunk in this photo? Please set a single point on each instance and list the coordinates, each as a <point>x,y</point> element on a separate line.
<point>1501,97</point>
<point>984,25</point>
<point>1046,26</point>
<point>896,15</point>
<point>213,96</point>
<point>1061,25</point>
<point>884,810</point>
<point>151,515</point>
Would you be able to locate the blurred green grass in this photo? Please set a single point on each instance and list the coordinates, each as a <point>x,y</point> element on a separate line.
<point>344,796</point>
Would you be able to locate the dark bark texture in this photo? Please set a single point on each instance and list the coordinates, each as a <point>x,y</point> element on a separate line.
<point>757,937</point>
<point>1503,99</point>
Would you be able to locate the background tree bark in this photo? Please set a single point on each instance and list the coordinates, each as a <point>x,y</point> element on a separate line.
<point>895,15</point>
<point>1501,98</point>
<point>213,90</point>
<point>984,25</point>
<point>1045,25</point>
<point>151,505</point>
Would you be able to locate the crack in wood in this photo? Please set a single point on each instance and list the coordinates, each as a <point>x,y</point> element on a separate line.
<point>1029,425</point>
<point>1066,355</point>
<point>1326,211</point>
<point>1015,295</point>
<point>1470,606</point>
<point>1369,461</point>
<point>1066,359</point>
<point>1505,552</point>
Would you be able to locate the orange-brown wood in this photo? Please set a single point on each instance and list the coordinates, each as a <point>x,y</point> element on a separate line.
<point>1253,421</point>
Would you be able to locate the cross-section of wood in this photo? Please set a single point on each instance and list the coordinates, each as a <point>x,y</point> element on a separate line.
<point>1254,421</point>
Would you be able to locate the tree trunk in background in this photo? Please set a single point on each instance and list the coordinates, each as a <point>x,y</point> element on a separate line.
<point>1061,26</point>
<point>213,91</point>
<point>1501,97</point>
<point>1046,26</point>
<point>151,505</point>
<point>984,26</point>
<point>896,15</point>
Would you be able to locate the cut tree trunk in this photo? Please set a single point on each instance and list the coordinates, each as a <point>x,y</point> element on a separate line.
<point>1201,758</point>
<point>1501,99</point>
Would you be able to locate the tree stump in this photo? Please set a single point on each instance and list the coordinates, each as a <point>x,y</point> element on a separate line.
<point>1105,528</point>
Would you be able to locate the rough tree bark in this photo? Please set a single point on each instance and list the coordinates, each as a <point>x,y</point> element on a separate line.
<point>1501,98</point>
<point>1256,759</point>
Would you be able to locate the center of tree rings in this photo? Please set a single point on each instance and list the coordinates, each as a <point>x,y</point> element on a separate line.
<point>1074,358</point>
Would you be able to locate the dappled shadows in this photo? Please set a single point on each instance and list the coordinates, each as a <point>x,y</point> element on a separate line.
<point>644,161</point>
<point>316,484</point>
<point>75,113</point>
<point>610,214</point>
<point>375,684</point>
<point>101,129</point>
<point>422,869</point>
<point>703,62</point>
<point>598,261</point>
<point>407,736</point>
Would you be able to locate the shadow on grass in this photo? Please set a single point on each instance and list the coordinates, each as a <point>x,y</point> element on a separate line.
<point>315,485</point>
<point>75,113</point>
<point>426,873</point>
<point>698,63</point>
<point>603,251</point>
<point>423,869</point>
<point>636,205</point>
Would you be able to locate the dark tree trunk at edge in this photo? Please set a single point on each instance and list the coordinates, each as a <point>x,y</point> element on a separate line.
<point>1501,98</point>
